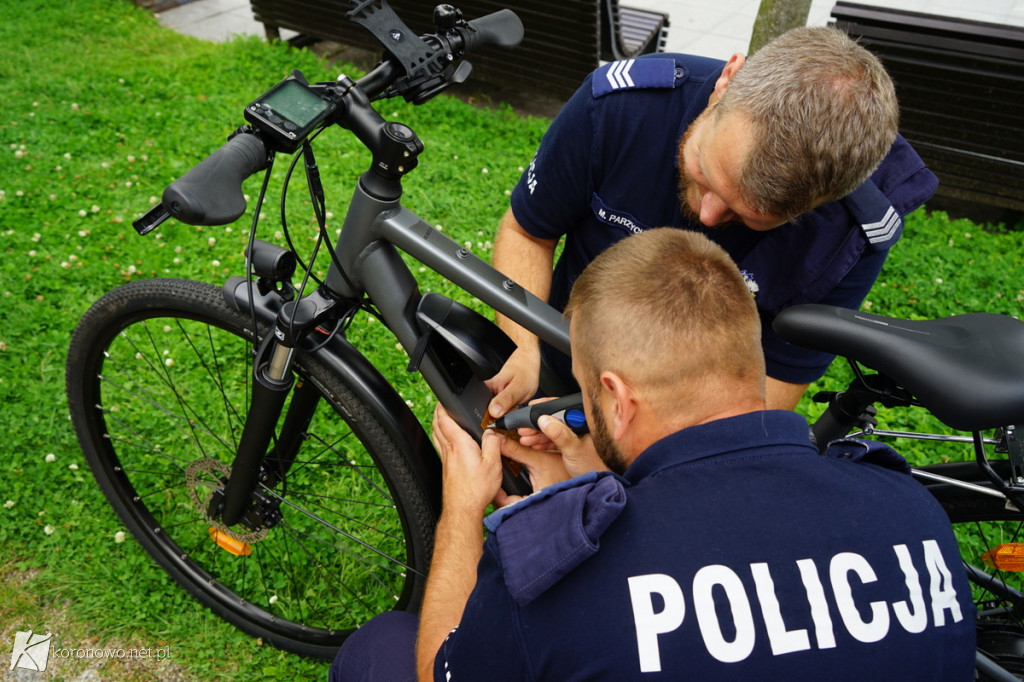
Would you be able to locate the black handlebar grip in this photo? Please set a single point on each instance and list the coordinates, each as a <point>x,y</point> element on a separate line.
<point>501,29</point>
<point>211,193</point>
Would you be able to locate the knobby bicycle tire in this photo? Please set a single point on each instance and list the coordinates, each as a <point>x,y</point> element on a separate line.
<point>159,376</point>
<point>982,522</point>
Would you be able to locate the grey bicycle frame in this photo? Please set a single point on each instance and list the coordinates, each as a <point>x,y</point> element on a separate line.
<point>367,247</point>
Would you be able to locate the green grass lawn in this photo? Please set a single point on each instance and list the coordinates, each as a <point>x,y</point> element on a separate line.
<point>100,108</point>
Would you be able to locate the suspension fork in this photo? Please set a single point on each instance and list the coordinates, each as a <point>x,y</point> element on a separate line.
<point>258,451</point>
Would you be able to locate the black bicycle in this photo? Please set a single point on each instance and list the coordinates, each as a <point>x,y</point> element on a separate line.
<point>276,474</point>
<point>968,372</point>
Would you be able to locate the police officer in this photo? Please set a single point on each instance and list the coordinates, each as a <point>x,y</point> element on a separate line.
<point>789,160</point>
<point>720,545</point>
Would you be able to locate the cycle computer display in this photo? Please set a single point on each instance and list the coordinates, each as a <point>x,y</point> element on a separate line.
<point>287,113</point>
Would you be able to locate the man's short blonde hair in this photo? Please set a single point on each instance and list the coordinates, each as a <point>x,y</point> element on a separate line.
<point>668,310</point>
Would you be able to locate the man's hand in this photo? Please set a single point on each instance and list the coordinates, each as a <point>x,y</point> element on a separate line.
<point>571,457</point>
<point>527,260</point>
<point>516,382</point>
<point>471,473</point>
<point>578,453</point>
<point>471,479</point>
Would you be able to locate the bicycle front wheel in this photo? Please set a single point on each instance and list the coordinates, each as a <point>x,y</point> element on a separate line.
<point>159,377</point>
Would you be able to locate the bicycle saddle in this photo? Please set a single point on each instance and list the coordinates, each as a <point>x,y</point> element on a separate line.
<point>967,370</point>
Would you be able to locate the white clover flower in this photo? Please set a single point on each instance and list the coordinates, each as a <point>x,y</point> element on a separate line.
<point>9,503</point>
<point>49,530</point>
<point>119,536</point>
<point>484,171</point>
<point>95,208</point>
<point>67,155</point>
<point>211,241</point>
<point>215,263</point>
<point>938,280</point>
<point>82,213</point>
<point>169,362</point>
<point>51,457</point>
<point>36,237</point>
<point>273,599</point>
<point>73,467</point>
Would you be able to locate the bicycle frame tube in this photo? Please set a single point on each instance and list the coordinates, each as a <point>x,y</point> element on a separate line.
<point>369,262</point>
<point>373,232</point>
<point>370,220</point>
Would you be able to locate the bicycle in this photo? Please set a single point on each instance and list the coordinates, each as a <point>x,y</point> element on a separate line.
<point>198,406</point>
<point>967,371</point>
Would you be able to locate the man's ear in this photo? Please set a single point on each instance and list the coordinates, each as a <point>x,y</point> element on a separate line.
<point>731,67</point>
<point>622,402</point>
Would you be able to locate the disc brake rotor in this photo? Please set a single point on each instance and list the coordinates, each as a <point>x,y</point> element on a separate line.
<point>204,477</point>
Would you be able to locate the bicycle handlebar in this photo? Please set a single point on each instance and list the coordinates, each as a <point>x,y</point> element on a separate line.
<point>500,29</point>
<point>211,193</point>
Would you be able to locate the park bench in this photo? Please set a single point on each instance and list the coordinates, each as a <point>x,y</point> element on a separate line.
<point>564,40</point>
<point>961,89</point>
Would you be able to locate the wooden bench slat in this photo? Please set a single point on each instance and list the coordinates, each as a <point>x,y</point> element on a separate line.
<point>961,85</point>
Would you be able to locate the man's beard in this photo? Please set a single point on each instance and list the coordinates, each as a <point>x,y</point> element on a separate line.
<point>607,449</point>
<point>686,181</point>
<point>687,184</point>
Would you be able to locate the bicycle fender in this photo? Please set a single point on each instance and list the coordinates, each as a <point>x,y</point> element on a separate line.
<point>366,382</point>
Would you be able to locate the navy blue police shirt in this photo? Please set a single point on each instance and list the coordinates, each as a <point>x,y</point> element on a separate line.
<point>607,168</point>
<point>729,550</point>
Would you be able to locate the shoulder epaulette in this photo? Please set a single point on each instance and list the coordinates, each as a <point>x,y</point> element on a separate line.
<point>634,74</point>
<point>878,218</point>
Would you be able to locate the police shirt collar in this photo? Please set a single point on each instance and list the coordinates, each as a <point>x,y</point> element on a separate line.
<point>764,430</point>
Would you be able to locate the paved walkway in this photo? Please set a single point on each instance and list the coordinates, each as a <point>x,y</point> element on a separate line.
<point>713,29</point>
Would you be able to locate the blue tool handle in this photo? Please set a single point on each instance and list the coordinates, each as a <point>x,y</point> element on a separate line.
<point>567,409</point>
